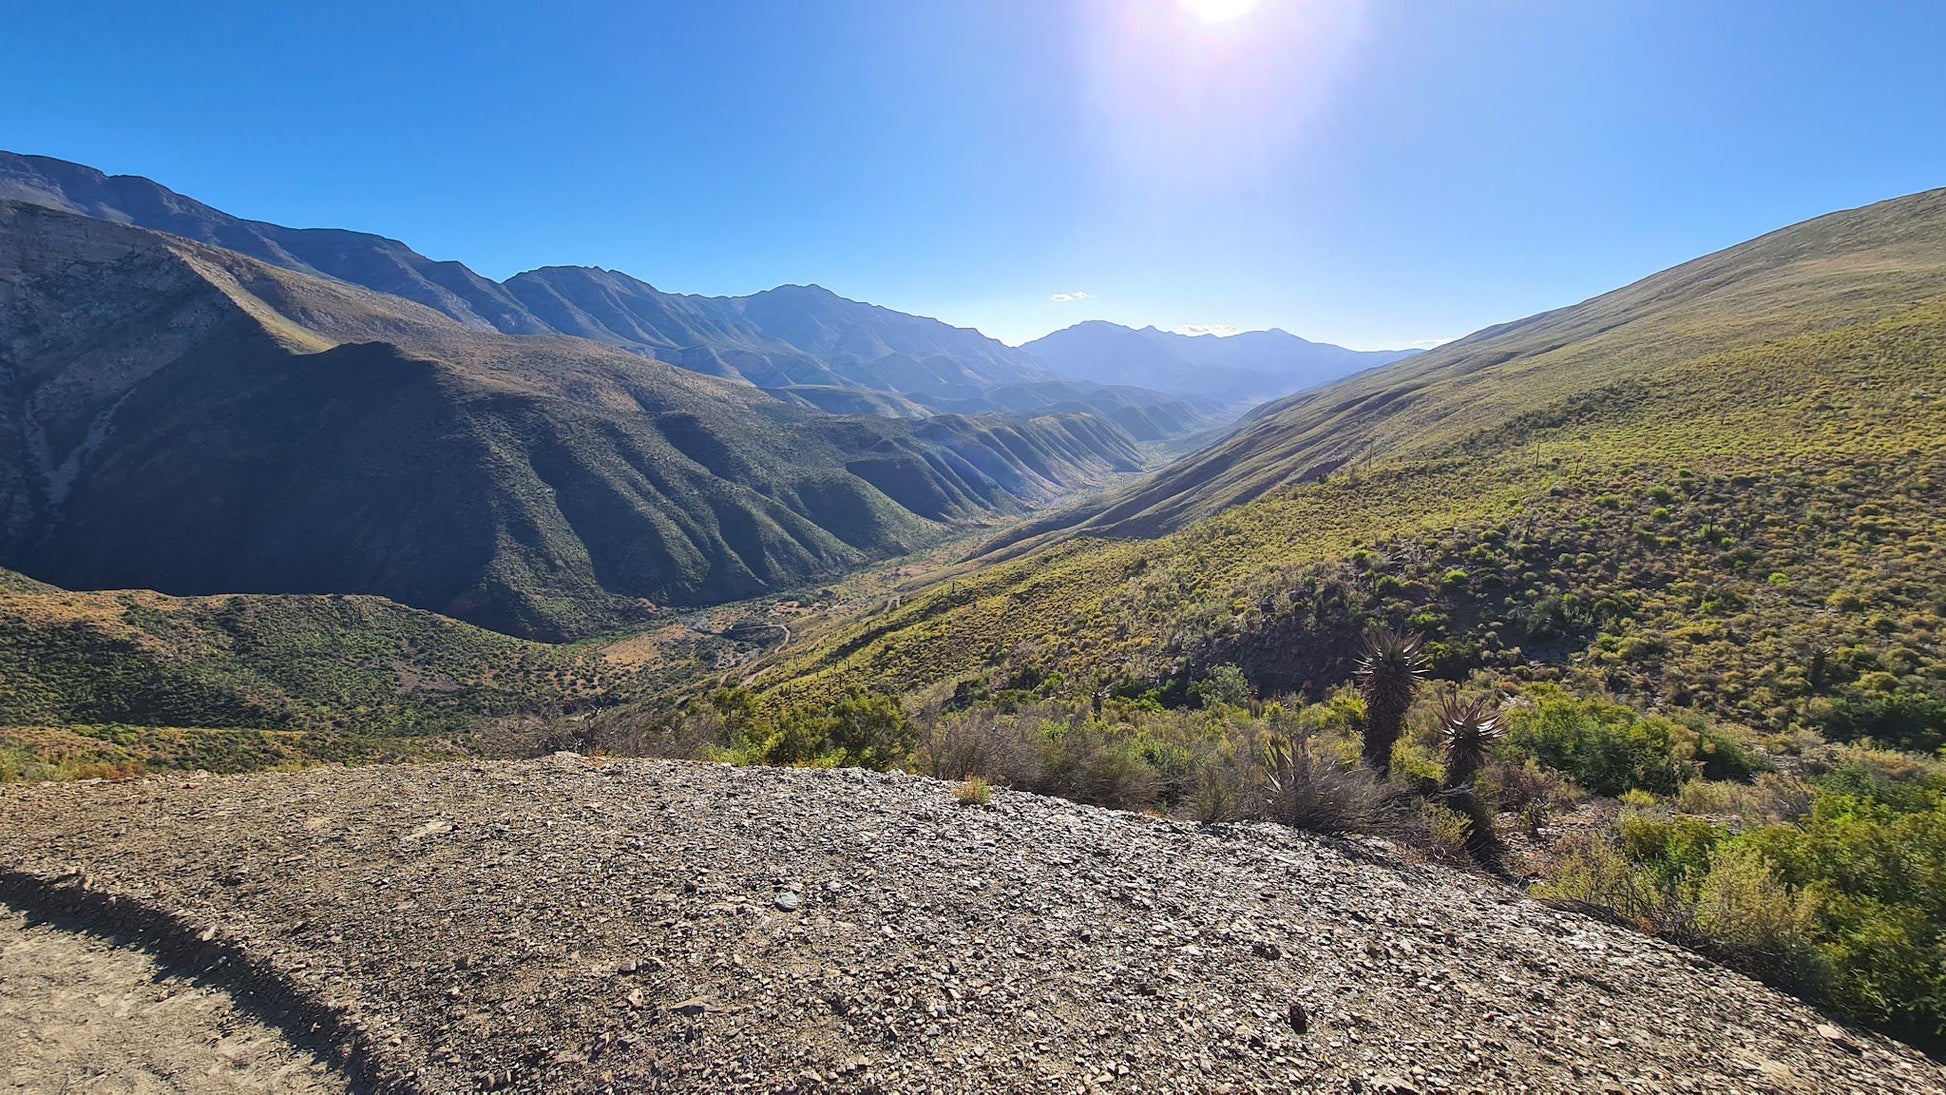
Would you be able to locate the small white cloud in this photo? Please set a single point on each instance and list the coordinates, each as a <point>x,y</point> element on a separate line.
<point>1427,343</point>
<point>1220,330</point>
<point>1063,298</point>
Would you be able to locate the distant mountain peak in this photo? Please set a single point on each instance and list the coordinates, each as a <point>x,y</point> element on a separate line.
<point>1241,367</point>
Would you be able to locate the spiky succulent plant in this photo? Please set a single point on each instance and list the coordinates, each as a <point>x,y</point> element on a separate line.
<point>1389,669</point>
<point>1467,731</point>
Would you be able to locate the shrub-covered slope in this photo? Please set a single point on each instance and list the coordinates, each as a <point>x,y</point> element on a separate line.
<point>112,682</point>
<point>188,419</point>
<point>1723,486</point>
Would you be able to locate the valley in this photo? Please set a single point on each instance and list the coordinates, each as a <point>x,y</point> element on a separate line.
<point>700,645</point>
<point>544,486</point>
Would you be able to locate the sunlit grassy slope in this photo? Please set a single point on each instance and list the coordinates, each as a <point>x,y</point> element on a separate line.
<point>1721,486</point>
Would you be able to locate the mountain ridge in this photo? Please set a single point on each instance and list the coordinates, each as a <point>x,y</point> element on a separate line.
<point>851,344</point>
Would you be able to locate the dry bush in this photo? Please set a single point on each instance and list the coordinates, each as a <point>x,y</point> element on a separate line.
<point>1229,783</point>
<point>1772,800</point>
<point>1446,833</point>
<point>1305,788</point>
<point>520,736</point>
<point>982,742</point>
<point>1097,764</point>
<point>1593,876</point>
<point>694,732</point>
<point>1517,785</point>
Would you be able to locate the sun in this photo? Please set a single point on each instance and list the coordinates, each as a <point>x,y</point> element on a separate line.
<point>1217,11</point>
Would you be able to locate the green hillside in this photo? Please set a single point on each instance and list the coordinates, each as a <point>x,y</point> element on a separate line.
<point>1720,487</point>
<point>119,681</point>
<point>1846,268</point>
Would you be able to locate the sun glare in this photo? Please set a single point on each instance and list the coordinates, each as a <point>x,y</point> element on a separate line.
<point>1217,11</point>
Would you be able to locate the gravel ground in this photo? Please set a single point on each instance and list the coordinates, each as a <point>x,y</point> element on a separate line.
<point>644,925</point>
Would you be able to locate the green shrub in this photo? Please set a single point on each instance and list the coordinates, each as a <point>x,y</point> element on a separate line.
<point>1225,684</point>
<point>1880,924</point>
<point>1909,719</point>
<point>1746,910</point>
<point>1847,906</point>
<point>1096,763</point>
<point>863,730</point>
<point>1416,767</point>
<point>1676,851</point>
<point>1606,747</point>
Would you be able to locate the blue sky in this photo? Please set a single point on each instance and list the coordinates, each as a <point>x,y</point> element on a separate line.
<point>1366,172</point>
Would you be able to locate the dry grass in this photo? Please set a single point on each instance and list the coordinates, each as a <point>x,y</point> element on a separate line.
<point>973,791</point>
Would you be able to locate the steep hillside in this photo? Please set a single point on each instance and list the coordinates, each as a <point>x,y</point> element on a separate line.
<point>1686,491</point>
<point>794,336</point>
<point>568,925</point>
<point>258,430</point>
<point>1843,269</point>
<point>1243,368</point>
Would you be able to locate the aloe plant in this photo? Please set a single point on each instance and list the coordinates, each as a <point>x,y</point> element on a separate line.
<point>1389,671</point>
<point>1467,731</point>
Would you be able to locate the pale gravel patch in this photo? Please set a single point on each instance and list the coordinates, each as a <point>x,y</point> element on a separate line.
<point>78,1013</point>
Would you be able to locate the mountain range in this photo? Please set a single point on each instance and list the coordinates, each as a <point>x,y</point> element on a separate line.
<point>1244,368</point>
<point>285,410</point>
<point>183,417</point>
<point>805,343</point>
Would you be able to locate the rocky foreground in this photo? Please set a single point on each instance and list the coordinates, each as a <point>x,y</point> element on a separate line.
<point>575,925</point>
